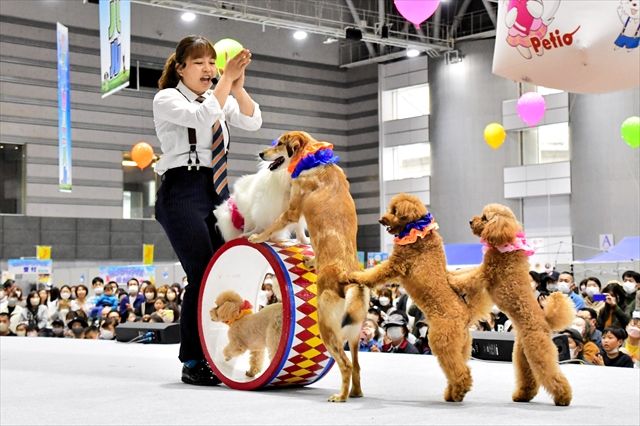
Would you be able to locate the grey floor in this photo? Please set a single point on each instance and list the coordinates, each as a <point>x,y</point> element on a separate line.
<point>64,381</point>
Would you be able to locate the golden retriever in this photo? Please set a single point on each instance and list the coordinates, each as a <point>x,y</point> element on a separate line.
<point>504,273</point>
<point>322,195</point>
<point>418,262</point>
<point>248,331</point>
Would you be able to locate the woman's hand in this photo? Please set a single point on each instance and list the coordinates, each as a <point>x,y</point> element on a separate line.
<point>597,360</point>
<point>236,65</point>
<point>610,300</point>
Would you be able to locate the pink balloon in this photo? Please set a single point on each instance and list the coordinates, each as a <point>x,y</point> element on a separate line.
<point>531,107</point>
<point>416,11</point>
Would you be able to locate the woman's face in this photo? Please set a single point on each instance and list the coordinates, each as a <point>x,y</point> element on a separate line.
<point>159,304</point>
<point>81,292</point>
<point>43,295</point>
<point>197,73</point>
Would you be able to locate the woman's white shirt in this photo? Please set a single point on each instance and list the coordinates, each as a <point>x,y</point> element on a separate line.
<point>176,109</point>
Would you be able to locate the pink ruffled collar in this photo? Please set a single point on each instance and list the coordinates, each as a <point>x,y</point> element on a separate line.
<point>520,243</point>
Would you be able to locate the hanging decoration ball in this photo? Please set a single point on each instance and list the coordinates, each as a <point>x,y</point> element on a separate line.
<point>630,131</point>
<point>494,135</point>
<point>226,49</point>
<point>142,154</point>
<point>531,107</point>
<point>416,11</point>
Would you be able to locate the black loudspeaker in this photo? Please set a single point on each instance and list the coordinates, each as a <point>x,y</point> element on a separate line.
<point>494,346</point>
<point>353,34</point>
<point>148,332</point>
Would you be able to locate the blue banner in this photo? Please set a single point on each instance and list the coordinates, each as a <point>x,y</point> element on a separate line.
<point>30,266</point>
<point>64,110</point>
<point>115,45</point>
<point>122,274</point>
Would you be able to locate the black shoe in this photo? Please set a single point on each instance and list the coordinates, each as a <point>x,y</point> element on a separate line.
<point>199,375</point>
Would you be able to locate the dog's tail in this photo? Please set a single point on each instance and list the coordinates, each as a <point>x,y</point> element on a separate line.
<point>559,311</point>
<point>356,305</point>
<point>224,222</point>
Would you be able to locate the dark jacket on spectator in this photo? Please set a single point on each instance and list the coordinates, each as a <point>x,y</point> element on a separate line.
<point>622,360</point>
<point>122,308</point>
<point>404,348</point>
<point>619,319</point>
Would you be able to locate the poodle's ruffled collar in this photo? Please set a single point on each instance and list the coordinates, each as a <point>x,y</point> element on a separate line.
<point>416,229</point>
<point>245,309</point>
<point>520,243</point>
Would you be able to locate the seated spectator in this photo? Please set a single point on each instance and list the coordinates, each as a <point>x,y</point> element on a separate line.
<point>631,285</point>
<point>549,282</point>
<point>576,344</point>
<point>35,314</point>
<point>396,333</point>
<point>106,300</point>
<point>590,316</point>
<point>13,307</point>
<point>57,328</point>
<point>612,314</point>
<point>132,301</point>
<point>21,329</point>
<point>156,318</point>
<point>422,343</point>
<point>63,306</point>
<point>160,307</point>
<point>500,320</point>
<point>374,314</point>
<point>77,326</point>
<point>114,315</point>
<point>81,302</point>
<point>173,295</point>
<point>384,300</point>
<point>32,331</point>
<point>567,286</point>
<point>369,337</point>
<point>4,325</point>
<point>91,332</point>
<point>97,285</point>
<point>162,291</point>
<point>132,317</point>
<point>147,308</point>
<point>108,330</point>
<point>267,295</point>
<point>589,349</point>
<point>610,355</point>
<point>632,344</point>
<point>593,288</point>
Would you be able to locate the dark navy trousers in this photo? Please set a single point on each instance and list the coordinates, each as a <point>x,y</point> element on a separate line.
<point>184,208</point>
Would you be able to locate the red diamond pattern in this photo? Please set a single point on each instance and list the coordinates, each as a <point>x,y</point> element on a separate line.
<point>302,282</point>
<point>306,308</point>
<point>297,270</point>
<point>304,336</point>
<point>301,348</point>
<point>306,322</point>
<point>305,295</point>
<point>319,358</point>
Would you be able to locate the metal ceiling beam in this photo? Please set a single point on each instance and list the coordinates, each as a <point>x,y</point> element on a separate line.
<point>458,18</point>
<point>356,19</point>
<point>242,13</point>
<point>490,11</point>
<point>436,23</point>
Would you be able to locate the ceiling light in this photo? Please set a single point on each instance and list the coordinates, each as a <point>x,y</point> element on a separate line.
<point>188,16</point>
<point>412,53</point>
<point>300,35</point>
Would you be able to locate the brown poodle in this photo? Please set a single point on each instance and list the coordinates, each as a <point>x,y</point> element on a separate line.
<point>418,262</point>
<point>248,331</point>
<point>504,273</point>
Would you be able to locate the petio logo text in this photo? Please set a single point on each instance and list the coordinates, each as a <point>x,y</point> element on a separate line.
<point>554,40</point>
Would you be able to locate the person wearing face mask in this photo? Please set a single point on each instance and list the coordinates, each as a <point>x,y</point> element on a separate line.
<point>549,283</point>
<point>613,314</point>
<point>567,286</point>
<point>369,337</point>
<point>108,330</point>
<point>13,307</point>
<point>97,286</point>
<point>610,356</point>
<point>422,343</point>
<point>576,344</point>
<point>57,328</point>
<point>147,308</point>
<point>4,325</point>
<point>132,301</point>
<point>383,301</point>
<point>77,327</point>
<point>589,349</point>
<point>21,329</point>
<point>35,314</point>
<point>591,317</point>
<point>632,344</point>
<point>631,284</point>
<point>63,305</point>
<point>592,291</point>
<point>107,300</point>
<point>396,333</point>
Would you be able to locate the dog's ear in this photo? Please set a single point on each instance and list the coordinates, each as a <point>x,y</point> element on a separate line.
<point>297,141</point>
<point>500,230</point>
<point>228,311</point>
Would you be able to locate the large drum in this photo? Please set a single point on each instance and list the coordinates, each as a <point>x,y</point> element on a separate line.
<point>301,358</point>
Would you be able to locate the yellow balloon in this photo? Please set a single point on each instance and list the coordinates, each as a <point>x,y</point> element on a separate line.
<point>494,135</point>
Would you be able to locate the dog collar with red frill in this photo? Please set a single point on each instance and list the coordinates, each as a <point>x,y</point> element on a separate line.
<point>417,229</point>
<point>245,309</point>
<point>519,243</point>
<point>236,217</point>
<point>313,154</point>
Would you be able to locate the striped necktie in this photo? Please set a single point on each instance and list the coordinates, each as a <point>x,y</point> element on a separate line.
<point>218,159</point>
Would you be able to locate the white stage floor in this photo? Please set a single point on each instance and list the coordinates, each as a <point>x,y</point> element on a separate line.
<point>64,381</point>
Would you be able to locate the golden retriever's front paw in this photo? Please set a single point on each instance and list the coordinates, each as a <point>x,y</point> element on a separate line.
<point>257,238</point>
<point>336,397</point>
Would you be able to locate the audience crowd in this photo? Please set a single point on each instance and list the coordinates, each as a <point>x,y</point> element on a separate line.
<point>605,330</point>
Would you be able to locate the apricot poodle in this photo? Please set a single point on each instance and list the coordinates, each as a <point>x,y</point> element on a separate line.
<point>248,331</point>
<point>504,274</point>
<point>418,262</point>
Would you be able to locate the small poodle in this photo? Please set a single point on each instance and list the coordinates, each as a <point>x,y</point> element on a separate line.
<point>418,262</point>
<point>504,273</point>
<point>248,331</point>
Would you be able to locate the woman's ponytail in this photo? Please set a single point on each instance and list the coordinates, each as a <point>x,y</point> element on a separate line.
<point>169,77</point>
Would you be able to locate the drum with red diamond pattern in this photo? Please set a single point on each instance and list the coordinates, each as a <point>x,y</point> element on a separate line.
<point>301,357</point>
